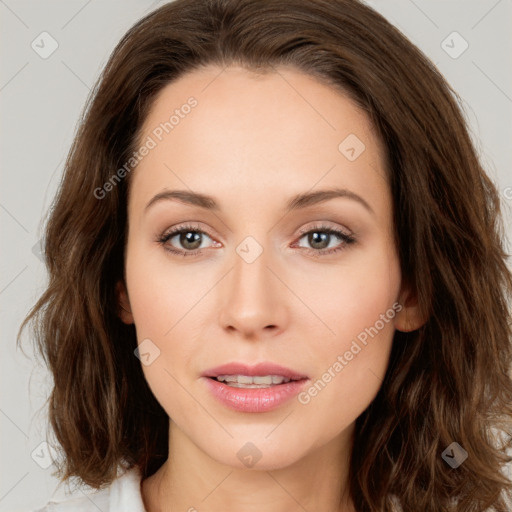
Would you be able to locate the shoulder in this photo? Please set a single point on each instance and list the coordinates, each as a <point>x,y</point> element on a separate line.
<point>123,495</point>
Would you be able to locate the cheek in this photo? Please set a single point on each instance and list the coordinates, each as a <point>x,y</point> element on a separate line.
<point>351,297</point>
<point>162,293</point>
<point>166,304</point>
<point>350,362</point>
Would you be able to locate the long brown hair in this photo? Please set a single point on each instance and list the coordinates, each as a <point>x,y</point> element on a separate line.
<point>447,381</point>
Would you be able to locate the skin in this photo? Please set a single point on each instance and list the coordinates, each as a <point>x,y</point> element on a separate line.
<point>253,142</point>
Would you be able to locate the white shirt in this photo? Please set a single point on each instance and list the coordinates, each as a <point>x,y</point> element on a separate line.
<point>123,495</point>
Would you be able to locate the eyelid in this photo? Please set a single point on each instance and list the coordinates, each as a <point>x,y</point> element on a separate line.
<point>190,226</point>
<point>323,225</point>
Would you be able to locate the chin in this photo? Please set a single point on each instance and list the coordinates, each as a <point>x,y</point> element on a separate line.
<point>258,451</point>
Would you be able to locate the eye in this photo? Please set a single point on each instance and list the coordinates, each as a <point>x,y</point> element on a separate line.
<point>189,237</point>
<point>188,240</point>
<point>320,237</point>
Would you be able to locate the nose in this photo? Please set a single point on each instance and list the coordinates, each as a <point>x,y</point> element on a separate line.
<point>254,301</point>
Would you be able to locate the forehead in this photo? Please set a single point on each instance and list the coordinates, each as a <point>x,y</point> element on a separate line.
<point>282,130</point>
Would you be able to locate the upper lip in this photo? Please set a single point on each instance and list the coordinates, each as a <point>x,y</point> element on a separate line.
<point>255,370</point>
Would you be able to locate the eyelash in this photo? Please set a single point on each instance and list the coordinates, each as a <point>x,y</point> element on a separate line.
<point>346,239</point>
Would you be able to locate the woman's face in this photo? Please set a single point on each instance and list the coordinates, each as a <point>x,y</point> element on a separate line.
<point>288,269</point>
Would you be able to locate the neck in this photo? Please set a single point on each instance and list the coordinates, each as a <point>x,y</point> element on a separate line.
<point>190,480</point>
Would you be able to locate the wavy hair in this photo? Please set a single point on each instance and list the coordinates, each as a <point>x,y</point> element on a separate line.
<point>447,381</point>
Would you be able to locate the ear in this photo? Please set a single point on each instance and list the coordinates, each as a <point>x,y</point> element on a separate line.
<point>409,318</point>
<point>124,310</point>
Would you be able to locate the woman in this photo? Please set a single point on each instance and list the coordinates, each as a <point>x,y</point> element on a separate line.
<point>277,276</point>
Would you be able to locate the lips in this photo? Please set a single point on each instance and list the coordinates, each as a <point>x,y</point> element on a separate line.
<point>259,388</point>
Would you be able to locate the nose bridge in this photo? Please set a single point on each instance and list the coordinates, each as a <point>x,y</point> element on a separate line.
<point>252,300</point>
<point>251,273</point>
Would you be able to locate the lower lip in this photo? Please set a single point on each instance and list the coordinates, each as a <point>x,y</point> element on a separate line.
<point>254,399</point>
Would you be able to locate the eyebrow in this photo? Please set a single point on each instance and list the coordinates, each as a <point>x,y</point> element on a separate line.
<point>297,202</point>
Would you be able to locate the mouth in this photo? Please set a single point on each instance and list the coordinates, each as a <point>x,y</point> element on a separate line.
<point>259,388</point>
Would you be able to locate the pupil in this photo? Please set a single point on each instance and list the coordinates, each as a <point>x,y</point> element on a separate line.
<point>316,238</point>
<point>190,240</point>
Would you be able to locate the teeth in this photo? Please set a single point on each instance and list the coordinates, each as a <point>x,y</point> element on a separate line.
<point>246,381</point>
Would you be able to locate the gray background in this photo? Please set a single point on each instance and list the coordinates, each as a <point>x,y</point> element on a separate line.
<point>41,99</point>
